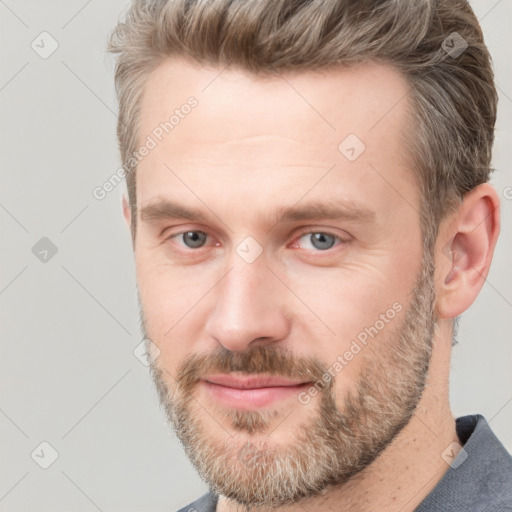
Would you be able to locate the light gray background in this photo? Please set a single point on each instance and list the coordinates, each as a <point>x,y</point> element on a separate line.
<point>69,326</point>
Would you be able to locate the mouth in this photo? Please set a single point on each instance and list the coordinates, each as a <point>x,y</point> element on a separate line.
<point>252,391</point>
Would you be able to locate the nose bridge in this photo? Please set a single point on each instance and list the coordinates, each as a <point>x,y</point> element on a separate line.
<point>248,303</point>
<point>242,291</point>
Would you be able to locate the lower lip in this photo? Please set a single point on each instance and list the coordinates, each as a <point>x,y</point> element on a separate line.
<point>251,398</point>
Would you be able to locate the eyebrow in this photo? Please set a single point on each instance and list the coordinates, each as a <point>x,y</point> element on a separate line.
<point>167,210</point>
<point>334,210</point>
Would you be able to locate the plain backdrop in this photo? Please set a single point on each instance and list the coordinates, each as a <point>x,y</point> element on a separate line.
<point>69,316</point>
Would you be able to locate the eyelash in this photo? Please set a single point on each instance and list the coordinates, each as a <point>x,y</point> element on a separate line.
<point>338,238</point>
<point>341,241</point>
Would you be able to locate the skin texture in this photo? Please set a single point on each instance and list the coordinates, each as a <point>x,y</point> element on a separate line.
<point>252,146</point>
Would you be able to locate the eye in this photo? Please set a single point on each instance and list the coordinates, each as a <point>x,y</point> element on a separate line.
<point>191,239</point>
<point>313,240</point>
<point>319,240</point>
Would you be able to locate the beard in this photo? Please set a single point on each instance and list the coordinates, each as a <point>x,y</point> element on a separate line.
<point>334,443</point>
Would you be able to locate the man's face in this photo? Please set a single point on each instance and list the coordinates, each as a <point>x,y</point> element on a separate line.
<point>307,297</point>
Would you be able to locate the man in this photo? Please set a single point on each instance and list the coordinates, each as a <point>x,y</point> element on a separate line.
<point>310,214</point>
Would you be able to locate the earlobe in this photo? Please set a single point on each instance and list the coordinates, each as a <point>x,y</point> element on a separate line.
<point>469,241</point>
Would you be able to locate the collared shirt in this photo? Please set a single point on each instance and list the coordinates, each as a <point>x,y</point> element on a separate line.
<point>479,478</point>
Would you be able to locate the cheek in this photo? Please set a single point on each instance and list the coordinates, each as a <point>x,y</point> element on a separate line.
<point>364,309</point>
<point>351,298</point>
<point>172,303</point>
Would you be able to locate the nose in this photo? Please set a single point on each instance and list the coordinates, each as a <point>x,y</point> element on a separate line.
<point>250,306</point>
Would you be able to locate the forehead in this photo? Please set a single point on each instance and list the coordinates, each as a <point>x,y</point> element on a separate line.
<point>357,98</point>
<point>287,125</point>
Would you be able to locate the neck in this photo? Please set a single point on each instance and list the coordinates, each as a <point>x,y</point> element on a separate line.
<point>408,469</point>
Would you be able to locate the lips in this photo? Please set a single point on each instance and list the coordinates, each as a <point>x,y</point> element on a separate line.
<point>251,391</point>
<point>251,382</point>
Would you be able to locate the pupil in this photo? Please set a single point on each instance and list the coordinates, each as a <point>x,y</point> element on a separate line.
<point>322,240</point>
<point>195,237</point>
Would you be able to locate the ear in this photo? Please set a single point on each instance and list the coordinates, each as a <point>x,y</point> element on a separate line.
<point>127,214</point>
<point>465,249</point>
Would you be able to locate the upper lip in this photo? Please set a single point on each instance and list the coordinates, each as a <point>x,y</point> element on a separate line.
<point>251,381</point>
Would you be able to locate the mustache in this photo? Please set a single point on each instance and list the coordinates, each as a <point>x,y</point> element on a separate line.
<point>257,360</point>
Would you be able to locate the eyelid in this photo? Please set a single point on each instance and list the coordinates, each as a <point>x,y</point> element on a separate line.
<point>309,231</point>
<point>182,232</point>
<point>170,233</point>
<point>325,231</point>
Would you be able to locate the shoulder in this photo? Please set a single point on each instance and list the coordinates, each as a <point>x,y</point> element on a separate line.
<point>480,477</point>
<point>206,503</point>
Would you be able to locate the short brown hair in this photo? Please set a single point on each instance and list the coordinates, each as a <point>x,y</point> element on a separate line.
<point>453,97</point>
